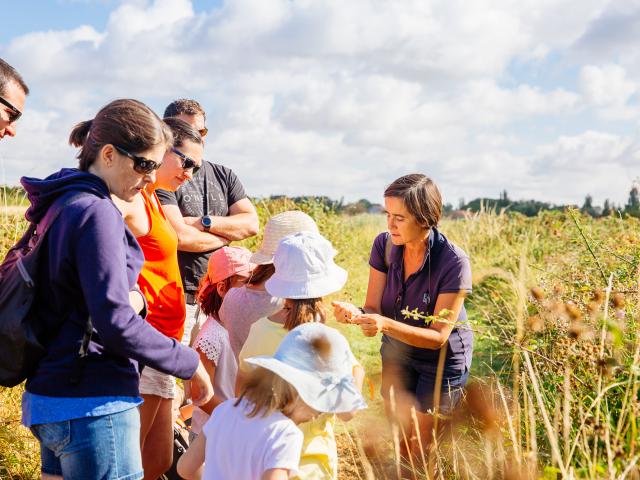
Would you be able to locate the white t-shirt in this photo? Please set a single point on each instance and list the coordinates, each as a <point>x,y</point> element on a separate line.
<point>241,308</point>
<point>213,341</point>
<point>238,447</point>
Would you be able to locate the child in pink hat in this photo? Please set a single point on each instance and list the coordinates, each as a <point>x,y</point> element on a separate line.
<point>229,267</point>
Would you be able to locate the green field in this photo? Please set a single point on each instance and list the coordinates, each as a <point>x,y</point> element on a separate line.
<point>555,387</point>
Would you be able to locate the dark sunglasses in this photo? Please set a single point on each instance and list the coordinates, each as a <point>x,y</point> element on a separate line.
<point>140,164</point>
<point>203,132</point>
<point>15,114</point>
<point>187,162</point>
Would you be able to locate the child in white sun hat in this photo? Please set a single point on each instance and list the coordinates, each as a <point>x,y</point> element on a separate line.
<point>304,273</point>
<point>255,437</point>
<point>244,306</point>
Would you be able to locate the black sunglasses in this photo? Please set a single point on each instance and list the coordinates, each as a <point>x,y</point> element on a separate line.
<point>187,162</point>
<point>15,114</point>
<point>140,164</point>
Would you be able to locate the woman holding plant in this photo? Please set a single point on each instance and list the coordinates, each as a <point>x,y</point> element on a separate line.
<point>418,280</point>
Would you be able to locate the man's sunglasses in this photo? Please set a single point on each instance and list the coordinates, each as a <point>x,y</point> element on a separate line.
<point>187,162</point>
<point>15,114</point>
<point>140,164</point>
<point>203,131</point>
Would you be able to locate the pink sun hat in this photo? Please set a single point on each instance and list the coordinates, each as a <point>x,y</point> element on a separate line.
<point>227,262</point>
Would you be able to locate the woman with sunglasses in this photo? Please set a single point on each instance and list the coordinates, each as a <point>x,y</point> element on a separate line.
<point>82,408</point>
<point>162,286</point>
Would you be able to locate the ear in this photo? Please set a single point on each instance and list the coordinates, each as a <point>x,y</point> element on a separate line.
<point>221,287</point>
<point>107,155</point>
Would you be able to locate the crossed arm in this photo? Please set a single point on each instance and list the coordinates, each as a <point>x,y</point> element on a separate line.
<point>242,222</point>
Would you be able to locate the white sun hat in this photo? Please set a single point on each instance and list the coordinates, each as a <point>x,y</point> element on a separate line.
<point>279,226</point>
<point>317,361</point>
<point>305,268</point>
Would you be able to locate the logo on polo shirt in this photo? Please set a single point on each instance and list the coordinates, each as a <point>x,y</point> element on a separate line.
<point>425,298</point>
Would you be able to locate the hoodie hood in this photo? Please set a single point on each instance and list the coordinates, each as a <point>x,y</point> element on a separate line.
<point>43,192</point>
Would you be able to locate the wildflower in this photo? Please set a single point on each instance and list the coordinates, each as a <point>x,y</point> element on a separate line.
<point>620,314</point>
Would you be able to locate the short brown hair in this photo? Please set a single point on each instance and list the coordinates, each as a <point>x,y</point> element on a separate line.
<point>9,74</point>
<point>268,393</point>
<point>184,106</point>
<point>421,197</point>
<point>127,123</point>
<point>305,311</point>
<point>182,132</point>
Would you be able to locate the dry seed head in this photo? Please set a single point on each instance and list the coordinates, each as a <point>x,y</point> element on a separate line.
<point>537,293</point>
<point>480,405</point>
<point>536,323</point>
<point>598,296</point>
<point>573,311</point>
<point>579,330</point>
<point>558,289</point>
<point>593,307</point>
<point>618,300</point>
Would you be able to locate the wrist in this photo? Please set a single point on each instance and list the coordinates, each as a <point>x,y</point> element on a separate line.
<point>207,222</point>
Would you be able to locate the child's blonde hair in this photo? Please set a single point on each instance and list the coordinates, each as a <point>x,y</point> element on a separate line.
<point>305,311</point>
<point>268,393</point>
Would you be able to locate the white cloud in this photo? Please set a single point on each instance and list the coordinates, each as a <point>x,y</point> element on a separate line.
<point>339,98</point>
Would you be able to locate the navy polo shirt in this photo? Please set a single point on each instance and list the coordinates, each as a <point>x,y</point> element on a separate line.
<point>445,269</point>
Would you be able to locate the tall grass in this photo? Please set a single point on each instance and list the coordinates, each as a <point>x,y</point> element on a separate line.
<point>555,377</point>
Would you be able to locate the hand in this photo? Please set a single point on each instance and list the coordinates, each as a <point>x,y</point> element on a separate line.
<point>345,311</point>
<point>371,323</point>
<point>201,388</point>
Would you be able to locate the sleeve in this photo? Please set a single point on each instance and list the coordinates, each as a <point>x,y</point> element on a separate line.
<point>209,341</point>
<point>376,260</point>
<point>284,449</point>
<point>167,198</point>
<point>235,190</point>
<point>456,274</point>
<point>100,258</point>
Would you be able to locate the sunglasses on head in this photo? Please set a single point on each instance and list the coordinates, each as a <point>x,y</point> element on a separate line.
<point>187,162</point>
<point>140,164</point>
<point>15,114</point>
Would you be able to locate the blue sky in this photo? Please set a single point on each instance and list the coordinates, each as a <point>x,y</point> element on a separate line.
<point>339,98</point>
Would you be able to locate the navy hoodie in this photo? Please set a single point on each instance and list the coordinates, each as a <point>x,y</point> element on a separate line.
<point>90,261</point>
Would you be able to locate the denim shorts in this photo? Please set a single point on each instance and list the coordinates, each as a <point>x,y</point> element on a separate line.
<point>105,447</point>
<point>417,379</point>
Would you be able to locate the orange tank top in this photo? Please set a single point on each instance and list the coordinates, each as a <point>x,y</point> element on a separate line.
<point>159,279</point>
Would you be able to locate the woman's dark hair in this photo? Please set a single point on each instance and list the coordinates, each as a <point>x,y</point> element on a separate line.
<point>421,197</point>
<point>182,132</point>
<point>127,123</point>
<point>261,274</point>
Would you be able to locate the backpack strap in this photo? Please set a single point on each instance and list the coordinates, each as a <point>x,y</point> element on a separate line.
<point>40,229</point>
<point>387,251</point>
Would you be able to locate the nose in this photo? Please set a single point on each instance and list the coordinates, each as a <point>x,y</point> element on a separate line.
<point>150,177</point>
<point>10,130</point>
<point>188,174</point>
